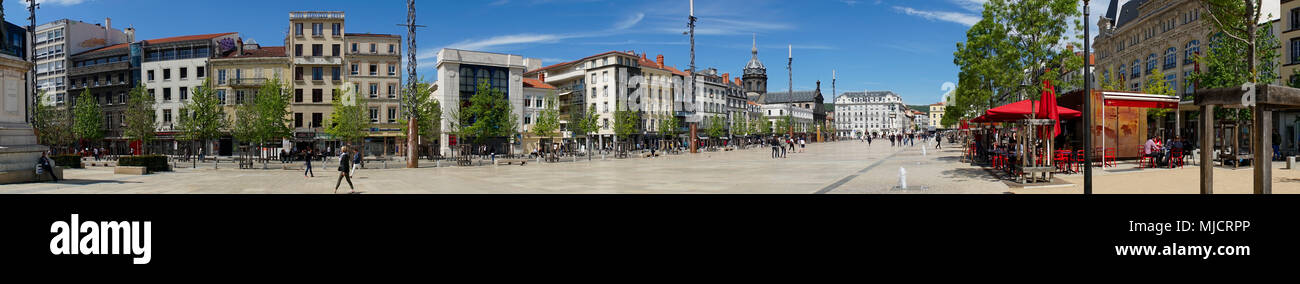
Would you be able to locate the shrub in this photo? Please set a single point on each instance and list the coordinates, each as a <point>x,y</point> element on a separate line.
<point>68,161</point>
<point>155,163</point>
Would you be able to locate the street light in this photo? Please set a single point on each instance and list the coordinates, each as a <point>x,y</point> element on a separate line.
<point>1087,102</point>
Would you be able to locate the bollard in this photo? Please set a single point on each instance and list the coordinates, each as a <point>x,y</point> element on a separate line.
<point>902,178</point>
<point>1290,163</point>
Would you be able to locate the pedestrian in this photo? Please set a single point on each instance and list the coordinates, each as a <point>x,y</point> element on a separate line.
<point>868,141</point>
<point>784,144</point>
<point>344,170</point>
<point>44,164</point>
<point>772,142</point>
<point>96,153</point>
<point>891,140</point>
<point>356,161</point>
<point>803,144</point>
<point>938,139</point>
<point>306,157</point>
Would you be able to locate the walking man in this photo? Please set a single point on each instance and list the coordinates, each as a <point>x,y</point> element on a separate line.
<point>772,142</point>
<point>344,169</point>
<point>306,157</point>
<point>938,139</point>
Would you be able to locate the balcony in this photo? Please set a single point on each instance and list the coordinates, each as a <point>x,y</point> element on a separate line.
<point>247,82</point>
<point>318,60</point>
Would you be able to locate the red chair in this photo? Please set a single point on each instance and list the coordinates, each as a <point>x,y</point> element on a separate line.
<point>1176,159</point>
<point>1078,162</point>
<point>1142,157</point>
<point>1109,157</point>
<point>1062,160</point>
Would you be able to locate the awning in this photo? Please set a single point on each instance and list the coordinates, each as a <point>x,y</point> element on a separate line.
<point>1021,110</point>
<point>1124,99</point>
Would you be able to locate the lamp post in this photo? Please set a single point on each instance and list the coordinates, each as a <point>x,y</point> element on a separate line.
<point>1087,101</point>
<point>691,25</point>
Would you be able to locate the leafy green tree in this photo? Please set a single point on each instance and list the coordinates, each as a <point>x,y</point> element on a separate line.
<point>202,118</point>
<point>349,122</point>
<point>1236,37</point>
<point>1158,86</point>
<point>585,124</point>
<point>717,127</point>
<point>488,115</point>
<point>428,114</point>
<point>265,117</point>
<point>626,122</point>
<point>88,120</point>
<point>548,120</point>
<point>53,128</point>
<point>783,125</point>
<point>140,116</point>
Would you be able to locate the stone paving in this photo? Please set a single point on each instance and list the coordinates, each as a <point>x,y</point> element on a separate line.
<point>840,167</point>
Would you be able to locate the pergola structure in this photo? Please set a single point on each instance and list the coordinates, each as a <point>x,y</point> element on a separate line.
<point>1264,99</point>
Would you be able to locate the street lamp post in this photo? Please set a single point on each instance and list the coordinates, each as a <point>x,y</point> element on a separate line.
<point>1087,102</point>
<point>691,25</point>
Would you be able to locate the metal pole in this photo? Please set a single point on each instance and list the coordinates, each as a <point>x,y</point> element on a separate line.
<point>412,114</point>
<point>691,25</point>
<point>31,55</point>
<point>1087,102</point>
<point>789,69</point>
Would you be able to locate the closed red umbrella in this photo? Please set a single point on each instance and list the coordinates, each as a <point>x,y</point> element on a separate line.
<point>1048,108</point>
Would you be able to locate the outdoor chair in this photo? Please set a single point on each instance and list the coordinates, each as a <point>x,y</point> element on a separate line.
<point>1108,159</point>
<point>1176,159</point>
<point>1142,157</point>
<point>1063,161</point>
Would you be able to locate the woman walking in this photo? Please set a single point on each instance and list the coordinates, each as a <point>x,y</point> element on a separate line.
<point>345,167</point>
<point>306,157</point>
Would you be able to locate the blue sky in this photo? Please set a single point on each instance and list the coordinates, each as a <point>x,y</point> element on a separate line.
<point>903,46</point>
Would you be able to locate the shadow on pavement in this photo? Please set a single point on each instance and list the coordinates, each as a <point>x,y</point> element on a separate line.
<point>971,173</point>
<point>91,181</point>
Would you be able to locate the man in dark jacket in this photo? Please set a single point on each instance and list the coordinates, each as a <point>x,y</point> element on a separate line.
<point>345,167</point>
<point>47,166</point>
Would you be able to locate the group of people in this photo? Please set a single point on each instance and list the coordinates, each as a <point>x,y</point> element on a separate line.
<point>781,144</point>
<point>1159,152</point>
<point>97,153</point>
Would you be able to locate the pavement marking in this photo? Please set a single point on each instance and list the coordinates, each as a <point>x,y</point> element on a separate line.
<point>846,179</point>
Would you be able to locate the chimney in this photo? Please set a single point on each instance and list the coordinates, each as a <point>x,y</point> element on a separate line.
<point>660,60</point>
<point>108,23</point>
<point>541,77</point>
<point>819,85</point>
<point>130,34</point>
<point>726,77</point>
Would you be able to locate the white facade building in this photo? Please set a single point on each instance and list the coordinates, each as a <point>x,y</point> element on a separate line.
<point>800,117</point>
<point>460,71</point>
<point>57,41</point>
<point>173,67</point>
<point>871,113</point>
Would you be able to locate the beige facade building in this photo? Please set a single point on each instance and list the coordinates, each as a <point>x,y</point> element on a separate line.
<point>239,76</point>
<point>1144,36</point>
<point>936,115</point>
<point>315,49</point>
<point>1289,35</point>
<point>374,63</point>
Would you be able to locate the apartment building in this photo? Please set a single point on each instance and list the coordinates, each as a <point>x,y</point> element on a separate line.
<point>460,72</point>
<point>173,68</point>
<point>238,76</point>
<point>107,74</point>
<point>56,41</point>
<point>315,49</point>
<point>374,63</point>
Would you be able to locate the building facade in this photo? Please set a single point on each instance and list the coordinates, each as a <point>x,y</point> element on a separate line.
<point>460,72</point>
<point>173,68</point>
<point>19,147</point>
<point>315,49</point>
<point>107,74</point>
<point>238,76</point>
<point>800,117</point>
<point>936,115</point>
<point>375,69</point>
<point>870,113</point>
<point>1288,29</point>
<point>55,43</point>
<point>1144,36</point>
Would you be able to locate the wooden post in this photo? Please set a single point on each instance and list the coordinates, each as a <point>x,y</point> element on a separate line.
<point>1207,149</point>
<point>1263,150</point>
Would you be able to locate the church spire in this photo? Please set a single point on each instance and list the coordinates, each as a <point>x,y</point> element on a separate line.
<point>755,49</point>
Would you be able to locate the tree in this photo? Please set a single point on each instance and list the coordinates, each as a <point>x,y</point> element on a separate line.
<point>202,118</point>
<point>626,122</point>
<point>140,116</point>
<point>586,124</point>
<point>265,117</point>
<point>489,115</point>
<point>88,118</point>
<point>1236,37</point>
<point>53,128</point>
<point>548,120</point>
<point>428,113</point>
<point>1157,85</point>
<point>717,127</point>
<point>349,121</point>
<point>783,125</point>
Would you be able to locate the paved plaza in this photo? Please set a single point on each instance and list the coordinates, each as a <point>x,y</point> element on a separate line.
<point>848,167</point>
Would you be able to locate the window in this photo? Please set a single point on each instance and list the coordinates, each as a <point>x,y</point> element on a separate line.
<point>318,73</point>
<point>316,119</point>
<point>185,74</point>
<point>1151,63</point>
<point>1193,49</point>
<point>374,115</point>
<point>354,48</point>
<point>167,116</point>
<point>167,94</point>
<point>297,50</point>
<point>297,120</point>
<point>297,73</point>
<point>184,93</point>
<point>374,69</point>
<point>1295,18</point>
<point>221,77</point>
<point>1171,58</point>
<point>528,119</point>
<point>221,96</point>
<point>1295,50</point>
<point>374,90</point>
<point>297,29</point>
<point>373,48</point>
<point>198,72</point>
<point>317,29</point>
<point>297,95</point>
<point>335,50</point>
<point>392,49</point>
<point>528,101</point>
<point>392,114</point>
<point>336,29</point>
<point>392,91</point>
<point>239,97</point>
<point>318,50</point>
<point>149,74</point>
<point>392,69</point>
<point>317,95</point>
<point>335,73</point>
<point>167,74</point>
<point>1136,68</point>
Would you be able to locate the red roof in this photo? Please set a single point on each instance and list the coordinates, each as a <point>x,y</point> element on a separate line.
<point>185,38</point>
<point>111,47</point>
<point>535,83</point>
<point>265,51</point>
<point>579,60</point>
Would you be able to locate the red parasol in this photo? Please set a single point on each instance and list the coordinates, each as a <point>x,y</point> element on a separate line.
<point>1050,110</point>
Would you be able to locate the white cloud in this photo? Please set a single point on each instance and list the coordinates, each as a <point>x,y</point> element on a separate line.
<point>971,5</point>
<point>496,41</point>
<point>631,21</point>
<point>955,17</point>
<point>58,2</point>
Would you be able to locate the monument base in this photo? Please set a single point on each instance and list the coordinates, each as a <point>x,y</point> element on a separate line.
<point>19,154</point>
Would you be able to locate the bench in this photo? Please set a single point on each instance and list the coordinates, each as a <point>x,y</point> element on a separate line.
<point>129,170</point>
<point>511,161</point>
